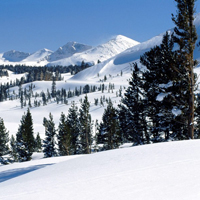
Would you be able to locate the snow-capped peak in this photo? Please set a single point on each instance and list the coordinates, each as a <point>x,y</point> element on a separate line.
<point>68,50</point>
<point>15,56</point>
<point>124,38</point>
<point>38,56</point>
<point>101,52</point>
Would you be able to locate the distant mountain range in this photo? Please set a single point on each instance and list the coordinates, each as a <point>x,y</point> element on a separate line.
<point>72,53</point>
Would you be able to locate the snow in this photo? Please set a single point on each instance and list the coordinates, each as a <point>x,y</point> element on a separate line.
<point>101,52</point>
<point>15,56</point>
<point>38,57</point>
<point>68,50</point>
<point>157,171</point>
<point>161,96</point>
<point>72,53</point>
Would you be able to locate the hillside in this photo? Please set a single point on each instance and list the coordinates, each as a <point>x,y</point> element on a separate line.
<point>153,172</point>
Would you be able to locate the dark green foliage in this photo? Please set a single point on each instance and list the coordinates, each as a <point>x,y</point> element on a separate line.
<point>186,36</point>
<point>38,143</point>
<point>53,87</point>
<point>49,141</point>
<point>68,132</point>
<point>109,131</point>
<point>131,109</point>
<point>85,127</point>
<point>25,142</point>
<point>13,149</point>
<point>4,139</point>
<point>63,137</point>
<point>74,127</point>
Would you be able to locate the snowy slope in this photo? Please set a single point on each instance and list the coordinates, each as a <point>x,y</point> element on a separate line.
<point>119,62</point>
<point>14,56</point>
<point>167,171</point>
<point>68,50</point>
<point>101,52</point>
<point>37,57</point>
<point>123,60</point>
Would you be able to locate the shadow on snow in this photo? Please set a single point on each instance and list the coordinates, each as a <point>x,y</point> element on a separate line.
<point>9,174</point>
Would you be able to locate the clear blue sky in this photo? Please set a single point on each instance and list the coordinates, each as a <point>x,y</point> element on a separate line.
<point>30,25</point>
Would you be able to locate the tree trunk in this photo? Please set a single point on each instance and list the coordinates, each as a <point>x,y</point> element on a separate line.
<point>191,102</point>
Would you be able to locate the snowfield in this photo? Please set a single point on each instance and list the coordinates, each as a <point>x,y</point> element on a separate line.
<point>167,171</point>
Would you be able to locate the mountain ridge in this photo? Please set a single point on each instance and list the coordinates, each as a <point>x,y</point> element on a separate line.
<point>72,53</point>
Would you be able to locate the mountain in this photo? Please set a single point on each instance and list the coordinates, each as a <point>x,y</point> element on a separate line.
<point>37,57</point>
<point>68,50</point>
<point>102,52</point>
<point>15,56</point>
<point>70,54</point>
<point>121,62</point>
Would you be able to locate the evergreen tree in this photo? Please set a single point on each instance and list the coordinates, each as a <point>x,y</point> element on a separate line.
<point>4,139</point>
<point>74,128</point>
<point>131,108</point>
<point>64,137</point>
<point>25,141</point>
<point>165,92</point>
<point>13,149</point>
<point>85,127</point>
<point>53,87</point>
<point>185,36</point>
<point>38,143</point>
<point>49,141</point>
<point>109,132</point>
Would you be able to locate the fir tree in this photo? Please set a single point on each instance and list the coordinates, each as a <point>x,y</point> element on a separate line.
<point>109,132</point>
<point>74,128</point>
<point>85,127</point>
<point>53,87</point>
<point>4,139</point>
<point>63,137</point>
<point>164,91</point>
<point>131,122</point>
<point>25,141</point>
<point>13,149</point>
<point>49,141</point>
<point>38,143</point>
<point>185,36</point>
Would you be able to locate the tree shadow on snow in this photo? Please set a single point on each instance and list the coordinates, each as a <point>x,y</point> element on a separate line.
<point>9,174</point>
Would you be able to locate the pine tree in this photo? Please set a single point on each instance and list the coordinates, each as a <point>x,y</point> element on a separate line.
<point>164,89</point>
<point>109,132</point>
<point>13,149</point>
<point>85,127</point>
<point>131,122</point>
<point>25,141</point>
<point>49,141</point>
<point>74,127</point>
<point>53,87</point>
<point>4,139</point>
<point>64,137</point>
<point>185,36</point>
<point>38,143</point>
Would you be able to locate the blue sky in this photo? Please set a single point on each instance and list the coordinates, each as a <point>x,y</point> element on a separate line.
<point>30,25</point>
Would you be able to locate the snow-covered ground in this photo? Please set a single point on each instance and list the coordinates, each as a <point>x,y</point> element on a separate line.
<point>167,171</point>
<point>11,111</point>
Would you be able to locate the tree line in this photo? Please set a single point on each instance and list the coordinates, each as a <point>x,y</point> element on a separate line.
<point>33,73</point>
